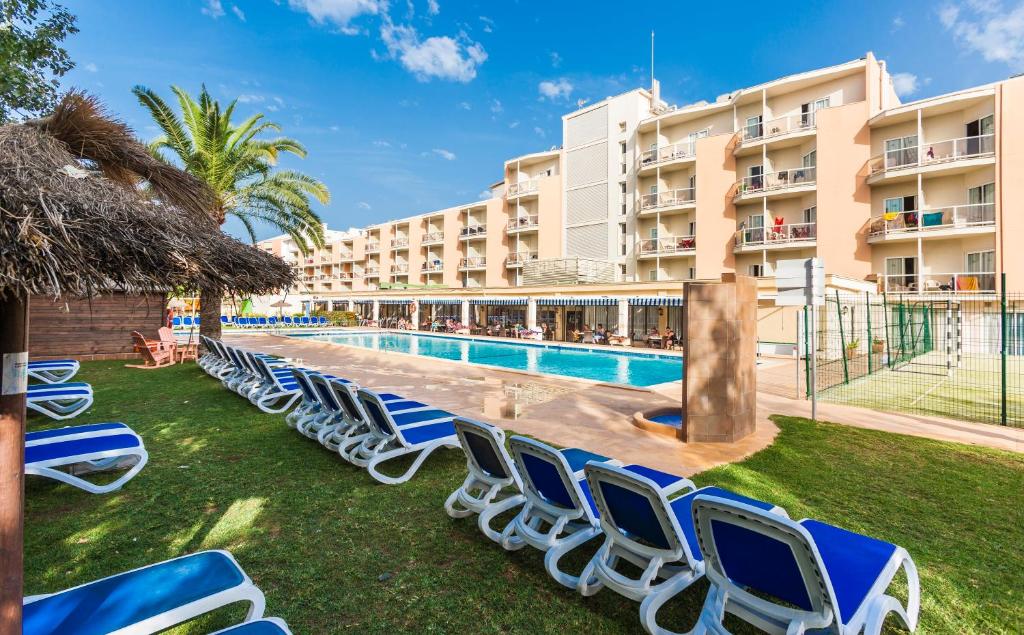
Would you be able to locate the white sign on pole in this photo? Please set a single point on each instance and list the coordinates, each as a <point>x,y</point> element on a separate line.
<point>801,282</point>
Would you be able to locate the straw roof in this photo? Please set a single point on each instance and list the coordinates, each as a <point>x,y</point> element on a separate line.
<point>85,208</point>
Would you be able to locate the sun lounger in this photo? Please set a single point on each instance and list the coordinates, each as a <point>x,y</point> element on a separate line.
<point>176,322</point>
<point>309,403</point>
<point>416,433</point>
<point>653,534</point>
<point>59,401</point>
<point>330,415</point>
<point>792,576</point>
<point>54,371</point>
<point>145,600</point>
<point>89,448</point>
<point>323,321</point>
<point>265,626</point>
<point>355,426</point>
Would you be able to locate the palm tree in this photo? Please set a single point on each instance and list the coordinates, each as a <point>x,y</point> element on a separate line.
<point>239,166</point>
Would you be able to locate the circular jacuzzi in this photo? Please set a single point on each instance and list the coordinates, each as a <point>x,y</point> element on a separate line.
<point>667,421</point>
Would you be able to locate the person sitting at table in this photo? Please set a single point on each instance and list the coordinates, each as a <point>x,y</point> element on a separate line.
<point>670,339</point>
<point>654,338</point>
<point>601,334</point>
<point>545,331</point>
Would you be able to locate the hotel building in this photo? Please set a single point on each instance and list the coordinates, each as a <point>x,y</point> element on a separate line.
<point>914,198</point>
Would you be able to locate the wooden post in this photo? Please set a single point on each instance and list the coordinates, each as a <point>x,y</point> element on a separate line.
<point>13,355</point>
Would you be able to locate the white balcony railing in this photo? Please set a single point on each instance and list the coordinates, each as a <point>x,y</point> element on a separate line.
<point>771,181</point>
<point>667,245</point>
<point>517,259</point>
<point>346,275</point>
<point>934,153</point>
<point>345,254</point>
<point>372,247</point>
<point>976,282</point>
<point>777,127</point>
<point>664,154</point>
<point>776,235</point>
<point>477,262</point>
<point>523,187</point>
<point>470,232</point>
<point>371,272</point>
<point>432,238</point>
<point>434,266</point>
<point>399,243</point>
<point>671,198</point>
<point>523,223</point>
<point>400,269</point>
<point>955,217</point>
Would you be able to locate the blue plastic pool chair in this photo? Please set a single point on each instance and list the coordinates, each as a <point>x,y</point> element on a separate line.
<point>59,401</point>
<point>54,371</point>
<point>265,626</point>
<point>90,448</point>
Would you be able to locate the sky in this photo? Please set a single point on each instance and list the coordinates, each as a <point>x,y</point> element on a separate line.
<point>412,106</point>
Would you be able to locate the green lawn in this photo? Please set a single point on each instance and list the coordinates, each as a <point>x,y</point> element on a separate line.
<point>336,552</point>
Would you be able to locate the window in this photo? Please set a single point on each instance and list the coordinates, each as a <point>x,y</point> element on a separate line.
<point>622,190</point>
<point>654,233</point>
<point>754,177</point>
<point>900,204</point>
<point>653,189</point>
<point>622,126</point>
<point>981,262</point>
<point>622,272</point>
<point>622,148</point>
<point>901,151</point>
<point>982,205</point>
<point>810,159</point>
<point>810,214</point>
<point>652,275</point>
<point>691,273</point>
<point>692,228</point>
<point>700,134</point>
<point>693,183</point>
<point>755,270</point>
<point>901,273</point>
<point>754,129</point>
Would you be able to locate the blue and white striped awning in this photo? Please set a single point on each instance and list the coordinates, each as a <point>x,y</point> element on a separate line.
<point>441,301</point>
<point>363,301</point>
<point>659,300</point>
<point>395,300</point>
<point>577,301</point>
<point>499,301</point>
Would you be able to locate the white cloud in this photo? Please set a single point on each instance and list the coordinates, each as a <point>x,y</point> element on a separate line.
<point>905,84</point>
<point>433,8</point>
<point>213,8</point>
<point>238,12</point>
<point>364,205</point>
<point>92,68</point>
<point>540,131</point>
<point>447,155</point>
<point>488,24</point>
<point>439,57</point>
<point>334,128</point>
<point>496,106</point>
<point>339,12</point>
<point>988,28</point>
<point>380,143</point>
<point>558,89</point>
<point>513,125</point>
<point>251,98</point>
<point>897,23</point>
<point>465,105</point>
<point>484,195</point>
<point>556,59</point>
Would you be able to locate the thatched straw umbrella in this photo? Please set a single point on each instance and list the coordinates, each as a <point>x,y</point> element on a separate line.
<point>85,209</point>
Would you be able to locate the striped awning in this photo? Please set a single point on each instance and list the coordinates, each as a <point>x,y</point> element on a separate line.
<point>396,300</point>
<point>577,301</point>
<point>660,300</point>
<point>499,301</point>
<point>440,301</point>
<point>363,301</point>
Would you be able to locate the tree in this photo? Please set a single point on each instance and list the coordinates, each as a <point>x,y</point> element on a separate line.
<point>31,58</point>
<point>239,166</point>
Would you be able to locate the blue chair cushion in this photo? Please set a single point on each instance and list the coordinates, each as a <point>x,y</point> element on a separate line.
<point>43,392</point>
<point>577,458</point>
<point>427,433</point>
<point>484,453</point>
<point>257,627</point>
<point>852,561</point>
<point>661,479</point>
<point>389,396</point>
<point>52,363</point>
<point>128,598</point>
<point>404,404</point>
<point>681,508</point>
<point>68,430</point>
<point>90,445</point>
<point>408,418</point>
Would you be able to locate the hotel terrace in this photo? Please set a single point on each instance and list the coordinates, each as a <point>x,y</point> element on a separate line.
<point>898,198</point>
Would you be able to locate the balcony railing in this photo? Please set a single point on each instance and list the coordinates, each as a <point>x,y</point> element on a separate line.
<point>934,153</point>
<point>431,238</point>
<point>470,232</point>
<point>371,272</point>
<point>435,266</point>
<point>777,127</point>
<point>346,275</point>
<point>666,245</point>
<point>771,181</point>
<point>345,255</point>
<point>955,217</point>
<point>517,259</point>
<point>776,235</point>
<point>399,243</point>
<point>473,263</point>
<point>523,187</point>
<point>523,223</point>
<point>938,282</point>
<point>671,198</point>
<point>400,269</point>
<point>372,247</point>
<point>664,154</point>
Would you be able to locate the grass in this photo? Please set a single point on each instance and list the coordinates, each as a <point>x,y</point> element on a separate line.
<point>335,552</point>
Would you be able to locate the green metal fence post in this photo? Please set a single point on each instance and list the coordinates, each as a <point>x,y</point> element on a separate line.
<point>871,347</point>
<point>888,335</point>
<point>842,340</point>
<point>1004,331</point>
<point>807,355</point>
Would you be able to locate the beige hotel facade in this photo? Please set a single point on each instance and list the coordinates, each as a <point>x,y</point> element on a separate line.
<point>917,198</point>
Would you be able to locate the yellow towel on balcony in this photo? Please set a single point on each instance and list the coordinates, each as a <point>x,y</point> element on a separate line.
<point>891,216</point>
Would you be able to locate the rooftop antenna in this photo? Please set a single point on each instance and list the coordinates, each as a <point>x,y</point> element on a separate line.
<point>652,58</point>
<point>656,105</point>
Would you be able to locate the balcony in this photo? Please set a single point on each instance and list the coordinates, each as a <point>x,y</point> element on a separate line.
<point>401,269</point>
<point>516,260</point>
<point>672,200</point>
<point>473,264</point>
<point>667,246</point>
<point>399,243</point>
<point>951,154</point>
<point>373,247</point>
<point>783,182</point>
<point>675,154</point>
<point>937,222</point>
<point>435,266</point>
<point>522,224</point>
<point>776,236</point>
<point>933,283</point>
<point>347,275</point>
<point>346,256</point>
<point>775,131</point>
<point>523,188</point>
<point>432,238</point>
<point>473,232</point>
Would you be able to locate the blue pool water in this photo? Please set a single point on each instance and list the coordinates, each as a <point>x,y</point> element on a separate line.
<point>633,369</point>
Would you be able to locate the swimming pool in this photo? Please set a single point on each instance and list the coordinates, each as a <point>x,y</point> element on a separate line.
<point>617,367</point>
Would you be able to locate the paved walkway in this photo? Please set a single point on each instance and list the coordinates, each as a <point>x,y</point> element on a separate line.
<point>596,417</point>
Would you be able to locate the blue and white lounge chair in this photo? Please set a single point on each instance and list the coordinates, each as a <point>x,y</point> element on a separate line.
<point>654,535</point>
<point>261,322</point>
<point>309,403</point>
<point>331,413</point>
<point>60,401</point>
<point>557,497</point>
<point>265,626</point>
<point>224,320</point>
<point>53,371</point>
<point>145,600</point>
<point>272,321</point>
<point>823,577</point>
<point>87,448</point>
<point>305,320</point>
<point>354,426</point>
<point>322,321</point>
<point>186,322</point>
<point>278,391</point>
<point>176,322</point>
<point>287,320</point>
<point>417,433</point>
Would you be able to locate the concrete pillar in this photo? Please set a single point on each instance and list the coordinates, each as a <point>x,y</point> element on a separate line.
<point>414,314</point>
<point>720,343</point>
<point>531,314</point>
<point>376,311</point>
<point>623,317</point>
<point>351,306</point>
<point>465,312</point>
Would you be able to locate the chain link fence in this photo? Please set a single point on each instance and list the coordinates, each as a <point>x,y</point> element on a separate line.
<point>957,355</point>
